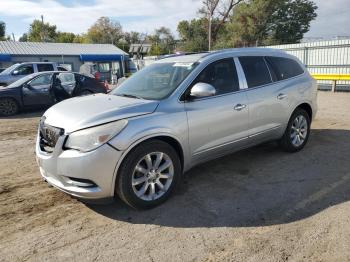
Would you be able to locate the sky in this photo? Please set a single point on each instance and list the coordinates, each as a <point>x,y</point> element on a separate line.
<point>144,15</point>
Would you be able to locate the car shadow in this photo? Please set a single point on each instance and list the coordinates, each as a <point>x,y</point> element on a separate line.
<point>256,187</point>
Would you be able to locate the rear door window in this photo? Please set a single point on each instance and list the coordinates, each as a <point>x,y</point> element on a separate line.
<point>45,67</point>
<point>255,70</point>
<point>284,68</point>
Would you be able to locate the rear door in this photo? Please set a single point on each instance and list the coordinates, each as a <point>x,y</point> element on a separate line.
<point>217,124</point>
<point>37,91</point>
<point>268,102</point>
<point>67,82</point>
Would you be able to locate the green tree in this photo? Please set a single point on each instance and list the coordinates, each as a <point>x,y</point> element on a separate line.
<point>193,34</point>
<point>41,32</point>
<point>264,22</point>
<point>65,37</point>
<point>23,38</point>
<point>105,31</point>
<point>81,39</point>
<point>162,41</point>
<point>2,30</point>
<point>291,21</point>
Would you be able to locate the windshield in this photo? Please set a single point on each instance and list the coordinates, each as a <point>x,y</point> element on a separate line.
<point>156,81</point>
<point>21,81</point>
<point>8,70</point>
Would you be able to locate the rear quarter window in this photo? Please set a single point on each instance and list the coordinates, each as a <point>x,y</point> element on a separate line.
<point>284,68</point>
<point>255,70</point>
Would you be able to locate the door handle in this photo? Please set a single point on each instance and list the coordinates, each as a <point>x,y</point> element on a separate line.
<point>281,96</point>
<point>239,107</point>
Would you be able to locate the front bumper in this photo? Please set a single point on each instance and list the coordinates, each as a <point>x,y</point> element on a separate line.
<point>85,175</point>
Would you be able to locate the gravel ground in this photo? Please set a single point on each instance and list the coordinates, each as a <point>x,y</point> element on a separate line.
<point>260,204</point>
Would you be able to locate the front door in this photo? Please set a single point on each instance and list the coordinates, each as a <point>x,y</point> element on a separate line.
<point>37,91</point>
<point>22,71</point>
<point>217,124</point>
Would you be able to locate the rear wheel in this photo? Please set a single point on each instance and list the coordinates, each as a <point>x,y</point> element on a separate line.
<point>8,107</point>
<point>148,175</point>
<point>297,132</point>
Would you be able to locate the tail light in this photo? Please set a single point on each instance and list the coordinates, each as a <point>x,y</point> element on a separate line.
<point>97,75</point>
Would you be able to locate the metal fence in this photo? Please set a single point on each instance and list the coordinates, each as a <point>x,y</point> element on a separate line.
<point>323,57</point>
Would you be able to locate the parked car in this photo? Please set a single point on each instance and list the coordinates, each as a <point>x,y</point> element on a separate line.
<point>45,89</point>
<point>137,141</point>
<point>17,71</point>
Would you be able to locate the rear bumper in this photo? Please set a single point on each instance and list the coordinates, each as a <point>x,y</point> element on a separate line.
<point>84,175</point>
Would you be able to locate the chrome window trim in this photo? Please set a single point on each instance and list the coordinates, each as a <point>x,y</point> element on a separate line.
<point>241,76</point>
<point>268,69</point>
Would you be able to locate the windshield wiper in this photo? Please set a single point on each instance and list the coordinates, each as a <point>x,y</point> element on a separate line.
<point>131,96</point>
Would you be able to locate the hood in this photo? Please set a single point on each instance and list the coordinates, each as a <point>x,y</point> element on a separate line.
<point>82,112</point>
<point>5,88</point>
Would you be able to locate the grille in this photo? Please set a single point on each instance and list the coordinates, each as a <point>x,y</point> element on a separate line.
<point>49,136</point>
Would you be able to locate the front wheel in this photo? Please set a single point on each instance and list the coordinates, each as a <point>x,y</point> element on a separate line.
<point>148,174</point>
<point>8,107</point>
<point>297,132</point>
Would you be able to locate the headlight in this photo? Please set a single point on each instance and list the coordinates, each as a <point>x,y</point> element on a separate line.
<point>91,138</point>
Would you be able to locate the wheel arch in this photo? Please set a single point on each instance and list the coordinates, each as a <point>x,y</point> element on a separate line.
<point>307,107</point>
<point>167,138</point>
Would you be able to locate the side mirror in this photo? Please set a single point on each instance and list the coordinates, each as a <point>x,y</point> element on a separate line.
<point>15,72</point>
<point>202,90</point>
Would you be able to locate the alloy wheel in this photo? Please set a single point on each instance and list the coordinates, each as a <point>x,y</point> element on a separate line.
<point>299,131</point>
<point>8,107</point>
<point>152,176</point>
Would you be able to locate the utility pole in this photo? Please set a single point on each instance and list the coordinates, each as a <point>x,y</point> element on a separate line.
<point>209,30</point>
<point>42,29</point>
<point>13,37</point>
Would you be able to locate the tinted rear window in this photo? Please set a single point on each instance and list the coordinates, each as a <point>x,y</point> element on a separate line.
<point>45,67</point>
<point>255,70</point>
<point>284,68</point>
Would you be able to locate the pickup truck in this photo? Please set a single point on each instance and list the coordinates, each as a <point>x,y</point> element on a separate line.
<point>17,71</point>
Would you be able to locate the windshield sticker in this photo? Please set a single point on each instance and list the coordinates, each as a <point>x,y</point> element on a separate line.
<point>183,64</point>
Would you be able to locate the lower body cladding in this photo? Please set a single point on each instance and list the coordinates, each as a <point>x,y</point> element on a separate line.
<point>87,175</point>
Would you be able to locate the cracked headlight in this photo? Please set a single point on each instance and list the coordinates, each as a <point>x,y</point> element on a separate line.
<point>91,138</point>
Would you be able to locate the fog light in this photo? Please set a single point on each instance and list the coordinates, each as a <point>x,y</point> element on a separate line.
<point>79,182</point>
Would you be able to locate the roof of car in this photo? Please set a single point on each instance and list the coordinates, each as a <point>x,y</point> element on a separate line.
<point>234,51</point>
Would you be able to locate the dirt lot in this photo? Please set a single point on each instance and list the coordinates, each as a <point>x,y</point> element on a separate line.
<point>259,204</point>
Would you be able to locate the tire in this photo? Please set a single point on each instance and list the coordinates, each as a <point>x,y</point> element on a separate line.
<point>297,132</point>
<point>137,180</point>
<point>8,107</point>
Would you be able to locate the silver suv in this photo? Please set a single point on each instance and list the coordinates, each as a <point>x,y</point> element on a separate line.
<point>137,141</point>
<point>18,71</point>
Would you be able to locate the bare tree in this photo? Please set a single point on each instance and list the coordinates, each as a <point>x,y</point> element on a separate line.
<point>218,10</point>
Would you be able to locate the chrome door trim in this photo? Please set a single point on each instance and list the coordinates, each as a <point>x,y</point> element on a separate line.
<point>265,131</point>
<point>241,76</point>
<point>221,145</point>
